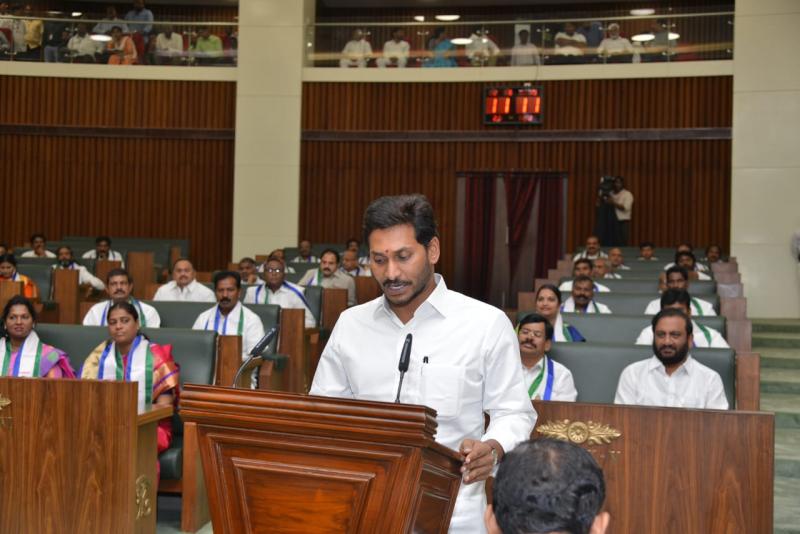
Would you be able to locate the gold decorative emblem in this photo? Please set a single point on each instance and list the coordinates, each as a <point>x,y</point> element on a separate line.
<point>579,432</point>
<point>4,402</point>
<point>143,491</point>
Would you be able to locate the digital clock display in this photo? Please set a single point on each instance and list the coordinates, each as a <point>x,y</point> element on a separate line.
<point>512,105</point>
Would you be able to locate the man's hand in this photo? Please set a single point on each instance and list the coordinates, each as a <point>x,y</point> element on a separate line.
<point>478,460</point>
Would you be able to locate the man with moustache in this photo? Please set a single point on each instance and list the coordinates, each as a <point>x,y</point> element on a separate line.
<point>582,267</point>
<point>85,278</point>
<point>671,377</point>
<point>582,299</point>
<point>704,336</point>
<point>229,317</point>
<point>328,275</point>
<point>351,266</point>
<point>184,286</point>
<point>276,290</point>
<point>678,278</point>
<point>119,285</point>
<point>464,355</point>
<point>544,378</point>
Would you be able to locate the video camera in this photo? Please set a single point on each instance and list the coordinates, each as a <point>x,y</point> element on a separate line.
<point>606,186</point>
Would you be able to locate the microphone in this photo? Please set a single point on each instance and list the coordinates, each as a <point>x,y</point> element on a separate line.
<point>405,359</point>
<point>257,351</point>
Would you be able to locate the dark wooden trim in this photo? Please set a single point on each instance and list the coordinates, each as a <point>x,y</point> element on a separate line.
<point>119,133</point>
<point>520,136</point>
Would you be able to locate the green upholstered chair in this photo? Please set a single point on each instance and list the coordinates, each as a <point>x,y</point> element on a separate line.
<point>650,287</point>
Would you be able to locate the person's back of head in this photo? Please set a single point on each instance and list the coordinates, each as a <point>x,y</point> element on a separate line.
<point>548,486</point>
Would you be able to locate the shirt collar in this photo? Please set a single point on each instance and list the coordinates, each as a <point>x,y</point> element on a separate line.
<point>687,367</point>
<point>234,312</point>
<point>436,300</point>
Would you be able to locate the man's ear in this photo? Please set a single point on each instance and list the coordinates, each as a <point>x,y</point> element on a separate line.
<point>434,250</point>
<point>491,522</point>
<point>600,524</point>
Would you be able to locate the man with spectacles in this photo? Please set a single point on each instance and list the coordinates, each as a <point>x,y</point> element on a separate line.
<point>278,291</point>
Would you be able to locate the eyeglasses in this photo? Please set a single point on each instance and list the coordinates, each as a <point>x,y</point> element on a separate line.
<point>273,270</point>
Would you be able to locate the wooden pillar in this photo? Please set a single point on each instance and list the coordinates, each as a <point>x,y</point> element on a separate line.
<point>292,343</point>
<point>102,268</point>
<point>229,358</point>
<point>66,293</point>
<point>334,302</point>
<point>140,267</point>
<point>367,289</point>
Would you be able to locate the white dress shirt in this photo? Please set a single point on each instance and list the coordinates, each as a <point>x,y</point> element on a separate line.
<point>83,46</point>
<point>252,330</point>
<point>289,295</point>
<point>310,259</point>
<point>525,55</point>
<point>704,337</point>
<point>84,276</point>
<point>473,366</point>
<point>613,46</point>
<point>97,314</point>
<point>394,50</point>
<point>700,307</point>
<point>583,254</point>
<point>32,254</point>
<point>593,307</point>
<point>563,384</point>
<point>566,287</point>
<point>113,255</point>
<point>692,385</point>
<point>169,46</point>
<point>193,292</point>
<point>356,54</point>
<point>358,271</point>
<point>569,50</point>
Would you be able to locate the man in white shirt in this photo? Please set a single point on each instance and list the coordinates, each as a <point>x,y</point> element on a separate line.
<point>169,46</point>
<point>229,317</point>
<point>622,200</point>
<point>602,269</point>
<point>591,251</point>
<point>395,51</point>
<point>671,377</point>
<point>569,42</point>
<point>582,267</point>
<point>102,251</point>
<point>687,260</point>
<point>120,286</point>
<point>278,253</point>
<point>544,378</point>
<point>582,299</point>
<point>328,275</point>
<point>704,336</point>
<point>647,251</point>
<point>184,286</point>
<point>464,354</point>
<point>81,46</point>
<point>525,53</point>
<point>678,278</point>
<point>617,260</point>
<point>278,291</point>
<point>687,247</point>
<point>38,250</point>
<point>248,272</point>
<point>481,50</point>
<point>356,52</point>
<point>85,278</point>
<point>616,48</point>
<point>304,253</point>
<point>351,266</point>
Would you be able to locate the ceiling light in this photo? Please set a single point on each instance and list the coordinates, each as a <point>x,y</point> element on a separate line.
<point>76,13</point>
<point>642,12</point>
<point>419,18</point>
<point>448,18</point>
<point>99,37</point>
<point>55,12</point>
<point>643,37</point>
<point>672,36</point>
<point>461,41</point>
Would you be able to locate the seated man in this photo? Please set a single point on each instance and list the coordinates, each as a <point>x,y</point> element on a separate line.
<point>3,249</point>
<point>616,48</point>
<point>356,52</point>
<point>582,267</point>
<point>547,486</point>
<point>350,264</point>
<point>481,50</point>
<point>207,47</point>
<point>38,250</point>
<point>687,260</point>
<point>544,378</point>
<point>328,275</point>
<point>569,43</point>
<point>8,272</point>
<point>617,260</point>
<point>704,336</point>
<point>304,253</point>
<point>278,291</point>
<point>119,285</point>
<point>395,51</point>
<point>582,299</point>
<point>355,246</point>
<point>602,269</point>
<point>248,272</point>
<point>713,254</point>
<point>102,251</point>
<point>525,53</point>
<point>229,317</point>
<point>82,47</point>
<point>169,47</point>
<point>647,251</point>
<point>591,251</point>
<point>686,247</point>
<point>671,377</point>
<point>678,278</point>
<point>184,285</point>
<point>85,278</point>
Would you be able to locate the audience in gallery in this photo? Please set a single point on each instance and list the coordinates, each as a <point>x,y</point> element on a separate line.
<point>544,378</point>
<point>328,275</point>
<point>140,18</point>
<point>229,317</point>
<point>22,353</point>
<point>548,305</point>
<point>122,50</point>
<point>55,40</point>
<point>207,48</point>
<point>119,285</point>
<point>38,250</point>
<point>616,48</point>
<point>582,299</point>
<point>67,261</point>
<point>570,43</point>
<point>481,50</point>
<point>248,272</point>
<point>440,50</point>
<point>351,266</point>
<point>647,251</point>
<point>8,271</point>
<point>524,53</point>
<point>548,486</point>
<point>602,269</point>
<point>168,47</point>
<point>671,377</point>
<point>113,20</point>
<point>617,260</point>
<point>592,250</point>
<point>82,47</point>
<point>102,251</point>
<point>704,336</point>
<point>304,253</point>
<point>678,278</point>
<point>357,52</point>
<point>277,290</point>
<point>582,267</point>
<point>184,285</point>
<point>395,51</point>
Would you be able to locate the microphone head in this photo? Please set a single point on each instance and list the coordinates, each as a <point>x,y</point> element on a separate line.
<point>261,346</point>
<point>405,355</point>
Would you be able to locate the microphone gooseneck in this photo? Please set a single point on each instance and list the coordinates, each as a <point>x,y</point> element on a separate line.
<point>257,351</point>
<point>402,366</point>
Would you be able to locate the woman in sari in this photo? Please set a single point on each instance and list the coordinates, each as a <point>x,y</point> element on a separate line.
<point>548,304</point>
<point>22,353</point>
<point>128,355</point>
<point>121,48</point>
<point>442,49</point>
<point>8,271</point>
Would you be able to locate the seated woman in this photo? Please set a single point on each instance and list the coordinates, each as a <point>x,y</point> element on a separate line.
<point>21,351</point>
<point>548,304</point>
<point>441,49</point>
<point>131,357</point>
<point>121,48</point>
<point>8,271</point>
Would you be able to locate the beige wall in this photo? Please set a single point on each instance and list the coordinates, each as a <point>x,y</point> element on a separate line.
<point>765,207</point>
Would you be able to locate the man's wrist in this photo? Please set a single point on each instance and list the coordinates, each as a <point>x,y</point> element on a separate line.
<point>497,450</point>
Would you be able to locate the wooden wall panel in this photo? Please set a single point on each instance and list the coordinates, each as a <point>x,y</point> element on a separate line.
<point>699,102</point>
<point>682,188</point>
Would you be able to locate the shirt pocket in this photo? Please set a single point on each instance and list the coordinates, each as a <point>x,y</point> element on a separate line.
<point>442,387</point>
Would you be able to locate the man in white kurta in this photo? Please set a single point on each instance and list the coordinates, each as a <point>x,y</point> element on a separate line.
<point>119,285</point>
<point>184,286</point>
<point>544,378</point>
<point>85,278</point>
<point>592,250</point>
<point>704,336</point>
<point>102,251</point>
<point>582,267</point>
<point>229,317</point>
<point>276,290</point>
<point>395,51</point>
<point>464,354</point>
<point>678,278</point>
<point>38,249</point>
<point>582,299</point>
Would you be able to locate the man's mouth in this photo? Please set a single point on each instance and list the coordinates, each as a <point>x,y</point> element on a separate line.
<point>395,286</point>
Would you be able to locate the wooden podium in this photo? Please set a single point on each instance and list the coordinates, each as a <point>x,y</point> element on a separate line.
<point>288,464</point>
<point>674,470</point>
<point>76,457</point>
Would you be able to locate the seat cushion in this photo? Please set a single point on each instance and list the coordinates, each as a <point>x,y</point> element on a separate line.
<point>171,460</point>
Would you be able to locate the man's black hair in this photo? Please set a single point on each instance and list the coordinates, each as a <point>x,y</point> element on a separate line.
<point>330,251</point>
<point>222,275</point>
<point>647,244</point>
<point>535,318</point>
<point>678,269</point>
<point>679,255</point>
<point>102,239</point>
<point>387,212</point>
<point>583,260</point>
<point>119,272</point>
<point>675,296</point>
<point>672,312</point>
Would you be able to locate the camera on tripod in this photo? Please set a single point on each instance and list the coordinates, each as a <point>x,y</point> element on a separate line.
<point>606,186</point>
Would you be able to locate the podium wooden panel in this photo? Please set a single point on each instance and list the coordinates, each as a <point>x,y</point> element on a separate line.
<point>66,293</point>
<point>140,267</point>
<point>103,267</point>
<point>675,470</point>
<point>285,463</point>
<point>9,289</point>
<point>76,457</point>
<point>367,289</point>
<point>334,302</point>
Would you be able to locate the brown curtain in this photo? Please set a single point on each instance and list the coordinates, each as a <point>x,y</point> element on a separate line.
<point>478,235</point>
<point>551,222</point>
<point>520,197</point>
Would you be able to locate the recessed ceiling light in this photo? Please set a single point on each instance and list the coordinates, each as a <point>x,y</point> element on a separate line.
<point>448,18</point>
<point>419,18</point>
<point>643,37</point>
<point>461,41</point>
<point>55,12</point>
<point>101,38</point>
<point>76,13</point>
<point>642,12</point>
<point>672,36</point>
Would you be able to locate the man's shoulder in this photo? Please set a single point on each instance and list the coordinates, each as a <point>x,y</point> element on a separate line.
<point>560,368</point>
<point>99,306</point>
<point>148,308</point>
<point>476,309</point>
<point>637,367</point>
<point>294,286</point>
<point>703,369</point>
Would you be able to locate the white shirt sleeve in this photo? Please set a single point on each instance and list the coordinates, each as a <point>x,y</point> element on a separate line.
<point>626,388</point>
<point>200,322</point>
<point>253,332</point>
<point>653,307</point>
<point>564,388</point>
<point>95,315</point>
<point>153,319</point>
<point>330,380</point>
<point>162,293</point>
<point>85,277</point>
<point>717,341</point>
<point>715,394</point>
